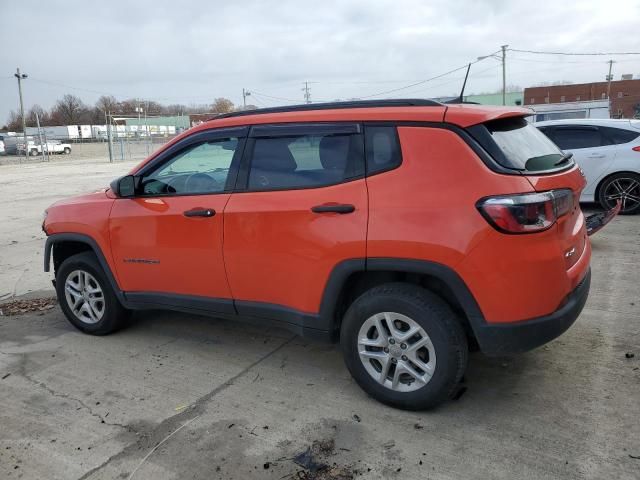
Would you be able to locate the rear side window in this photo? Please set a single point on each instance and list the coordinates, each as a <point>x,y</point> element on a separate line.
<point>619,136</point>
<point>576,138</point>
<point>305,161</point>
<point>382,148</point>
<point>516,144</point>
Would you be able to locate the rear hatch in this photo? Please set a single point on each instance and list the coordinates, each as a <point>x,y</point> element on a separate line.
<point>520,147</point>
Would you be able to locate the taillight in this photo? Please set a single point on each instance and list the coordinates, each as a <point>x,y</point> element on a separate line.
<point>636,149</point>
<point>526,212</point>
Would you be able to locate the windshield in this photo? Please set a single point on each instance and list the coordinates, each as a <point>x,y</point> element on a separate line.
<point>524,146</point>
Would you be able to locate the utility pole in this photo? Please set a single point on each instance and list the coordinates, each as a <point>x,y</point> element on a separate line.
<point>20,77</point>
<point>504,74</point>
<point>307,93</point>
<point>43,146</point>
<point>245,94</point>
<point>107,121</point>
<point>609,78</point>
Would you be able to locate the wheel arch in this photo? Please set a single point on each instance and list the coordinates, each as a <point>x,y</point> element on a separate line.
<point>596,193</point>
<point>63,245</point>
<point>351,278</point>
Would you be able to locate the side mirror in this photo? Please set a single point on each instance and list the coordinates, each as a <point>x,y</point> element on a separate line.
<point>124,187</point>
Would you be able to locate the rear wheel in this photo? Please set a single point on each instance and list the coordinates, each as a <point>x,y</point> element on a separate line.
<point>622,187</point>
<point>33,152</point>
<point>404,346</point>
<point>86,296</point>
<point>67,150</point>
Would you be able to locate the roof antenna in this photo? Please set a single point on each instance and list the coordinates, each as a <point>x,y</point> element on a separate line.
<point>460,99</point>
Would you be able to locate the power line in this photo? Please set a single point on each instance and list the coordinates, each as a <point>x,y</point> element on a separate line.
<point>70,87</point>
<point>573,54</point>
<point>427,80</point>
<point>415,84</point>
<point>273,97</point>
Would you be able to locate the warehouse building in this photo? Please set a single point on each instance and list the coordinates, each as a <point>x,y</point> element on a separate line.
<point>624,99</point>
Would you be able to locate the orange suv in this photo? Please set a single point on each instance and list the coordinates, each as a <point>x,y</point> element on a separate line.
<point>407,230</point>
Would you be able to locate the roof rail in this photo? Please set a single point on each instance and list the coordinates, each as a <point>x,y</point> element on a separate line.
<point>408,102</point>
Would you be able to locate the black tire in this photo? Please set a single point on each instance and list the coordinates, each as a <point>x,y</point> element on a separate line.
<point>33,152</point>
<point>629,207</point>
<point>67,151</point>
<point>439,322</point>
<point>114,315</point>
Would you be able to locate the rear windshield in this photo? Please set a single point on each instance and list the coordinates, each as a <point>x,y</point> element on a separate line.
<point>515,143</point>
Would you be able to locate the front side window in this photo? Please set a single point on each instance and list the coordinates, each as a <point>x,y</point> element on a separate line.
<point>199,168</point>
<point>304,161</point>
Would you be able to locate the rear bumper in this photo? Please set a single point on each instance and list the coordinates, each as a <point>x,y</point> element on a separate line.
<point>510,338</point>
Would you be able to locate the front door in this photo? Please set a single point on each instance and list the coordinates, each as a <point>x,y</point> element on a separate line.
<point>167,240</point>
<point>303,211</point>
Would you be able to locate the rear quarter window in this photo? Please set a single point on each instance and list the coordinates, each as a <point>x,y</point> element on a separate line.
<point>619,136</point>
<point>382,149</point>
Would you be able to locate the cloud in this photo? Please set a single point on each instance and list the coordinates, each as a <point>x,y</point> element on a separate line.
<point>194,51</point>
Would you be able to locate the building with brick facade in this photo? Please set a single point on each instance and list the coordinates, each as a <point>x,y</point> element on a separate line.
<point>624,99</point>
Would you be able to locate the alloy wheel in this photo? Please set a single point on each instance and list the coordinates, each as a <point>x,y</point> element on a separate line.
<point>396,351</point>
<point>623,189</point>
<point>84,296</point>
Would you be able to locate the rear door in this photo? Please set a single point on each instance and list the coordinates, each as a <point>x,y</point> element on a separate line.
<point>592,150</point>
<point>299,209</point>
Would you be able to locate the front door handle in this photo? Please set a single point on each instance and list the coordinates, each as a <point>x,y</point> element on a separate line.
<point>200,212</point>
<point>597,155</point>
<point>340,208</point>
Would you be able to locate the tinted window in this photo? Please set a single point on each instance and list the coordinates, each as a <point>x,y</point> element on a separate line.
<point>576,138</point>
<point>522,145</point>
<point>618,135</point>
<point>200,168</point>
<point>382,149</point>
<point>304,161</point>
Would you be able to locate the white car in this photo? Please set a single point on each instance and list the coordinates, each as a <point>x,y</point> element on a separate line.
<point>53,146</point>
<point>608,151</point>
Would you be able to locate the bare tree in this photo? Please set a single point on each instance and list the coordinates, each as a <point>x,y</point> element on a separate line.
<point>176,109</point>
<point>222,105</point>
<point>107,103</point>
<point>70,110</point>
<point>14,122</point>
<point>31,120</point>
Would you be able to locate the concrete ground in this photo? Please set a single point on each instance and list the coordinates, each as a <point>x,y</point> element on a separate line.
<point>26,190</point>
<point>177,396</point>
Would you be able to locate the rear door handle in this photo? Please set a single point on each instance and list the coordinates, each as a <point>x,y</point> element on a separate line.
<point>340,208</point>
<point>200,212</point>
<point>597,155</point>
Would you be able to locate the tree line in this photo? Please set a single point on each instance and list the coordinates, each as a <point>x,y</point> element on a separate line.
<point>71,110</point>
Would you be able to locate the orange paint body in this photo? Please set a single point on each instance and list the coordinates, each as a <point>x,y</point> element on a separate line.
<point>269,247</point>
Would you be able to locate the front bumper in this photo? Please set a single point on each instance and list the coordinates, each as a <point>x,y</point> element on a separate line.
<point>510,338</point>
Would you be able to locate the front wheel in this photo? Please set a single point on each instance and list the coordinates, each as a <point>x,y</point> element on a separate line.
<point>67,150</point>
<point>86,296</point>
<point>404,346</point>
<point>33,152</point>
<point>623,188</point>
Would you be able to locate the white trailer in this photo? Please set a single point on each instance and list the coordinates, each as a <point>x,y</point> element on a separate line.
<point>563,111</point>
<point>68,132</point>
<point>85,131</point>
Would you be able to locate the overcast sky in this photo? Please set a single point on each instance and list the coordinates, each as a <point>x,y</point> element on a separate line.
<point>194,51</point>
